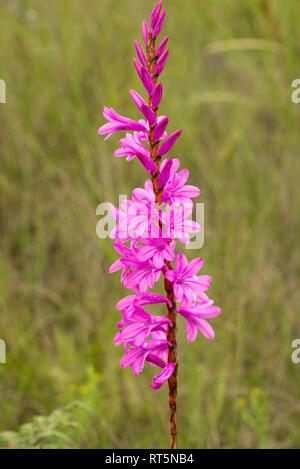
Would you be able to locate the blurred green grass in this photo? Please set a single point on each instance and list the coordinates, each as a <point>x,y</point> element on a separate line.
<point>228,85</point>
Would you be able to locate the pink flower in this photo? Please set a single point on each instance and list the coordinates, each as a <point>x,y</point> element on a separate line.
<point>155,14</point>
<point>145,33</point>
<point>157,95</point>
<point>138,330</point>
<point>165,173</point>
<point>125,251</point>
<point>146,79</point>
<point>159,250</point>
<point>117,123</point>
<point>147,162</point>
<point>131,145</point>
<point>160,129</point>
<point>138,68</point>
<point>144,195</point>
<point>177,223</point>
<point>165,374</point>
<point>140,54</point>
<point>130,304</point>
<point>161,62</point>
<point>169,143</point>
<point>161,47</point>
<point>185,282</point>
<point>144,274</point>
<point>177,192</point>
<point>136,357</point>
<point>159,25</point>
<point>196,315</point>
<point>143,107</point>
<point>136,218</point>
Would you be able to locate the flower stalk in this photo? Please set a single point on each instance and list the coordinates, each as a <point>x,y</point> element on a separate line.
<point>152,60</point>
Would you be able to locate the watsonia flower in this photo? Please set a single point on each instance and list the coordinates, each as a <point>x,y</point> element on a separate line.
<point>149,226</point>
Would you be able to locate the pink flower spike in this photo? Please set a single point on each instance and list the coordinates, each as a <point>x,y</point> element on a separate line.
<point>140,54</point>
<point>165,173</point>
<point>159,24</point>
<point>146,33</point>
<point>157,95</point>
<point>162,62</point>
<point>161,47</point>
<point>147,80</point>
<point>155,14</point>
<point>169,143</point>
<point>160,128</point>
<point>147,226</point>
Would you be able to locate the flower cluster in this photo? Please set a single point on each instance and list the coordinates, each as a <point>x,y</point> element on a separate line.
<point>149,225</point>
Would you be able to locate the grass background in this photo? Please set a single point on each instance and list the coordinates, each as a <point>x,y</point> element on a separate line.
<point>228,85</point>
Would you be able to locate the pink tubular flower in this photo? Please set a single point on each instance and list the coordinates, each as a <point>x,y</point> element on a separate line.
<point>131,145</point>
<point>162,62</point>
<point>157,95</point>
<point>140,54</point>
<point>185,282</point>
<point>155,15</point>
<point>160,128</point>
<point>178,225</point>
<point>159,25</point>
<point>145,33</point>
<point>143,107</point>
<point>137,218</point>
<point>159,250</point>
<point>138,68</point>
<point>196,315</point>
<point>165,173</point>
<point>130,303</point>
<point>117,123</point>
<point>147,163</point>
<point>147,80</point>
<point>135,357</point>
<point>169,143</point>
<point>123,250</point>
<point>177,192</point>
<point>147,228</point>
<point>165,374</point>
<point>145,195</point>
<point>140,327</point>
<point>161,47</point>
<point>144,275</point>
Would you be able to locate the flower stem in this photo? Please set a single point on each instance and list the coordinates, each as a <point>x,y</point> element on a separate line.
<point>172,310</point>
